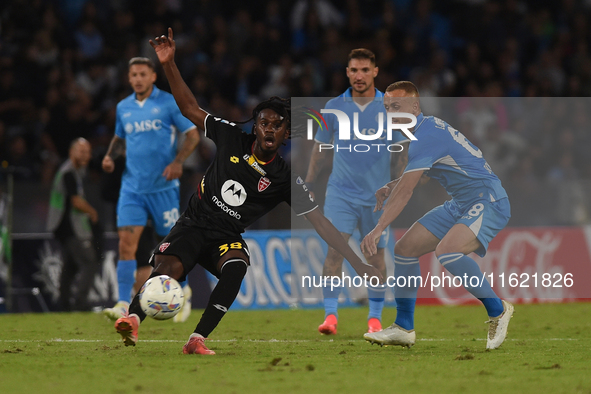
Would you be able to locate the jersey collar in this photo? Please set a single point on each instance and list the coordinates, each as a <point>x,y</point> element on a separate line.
<point>420,120</point>
<point>348,95</point>
<point>155,93</point>
<point>258,160</point>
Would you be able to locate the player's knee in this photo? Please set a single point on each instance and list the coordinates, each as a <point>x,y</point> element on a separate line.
<point>449,245</point>
<point>235,268</point>
<point>403,249</point>
<point>445,248</point>
<point>168,265</point>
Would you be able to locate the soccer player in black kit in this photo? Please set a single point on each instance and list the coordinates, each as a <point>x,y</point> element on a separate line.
<point>246,179</point>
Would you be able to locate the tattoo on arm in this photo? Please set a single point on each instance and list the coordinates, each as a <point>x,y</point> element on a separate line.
<point>127,228</point>
<point>116,148</point>
<point>188,146</point>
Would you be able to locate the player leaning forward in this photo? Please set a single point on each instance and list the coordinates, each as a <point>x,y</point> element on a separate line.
<point>478,210</point>
<point>246,179</point>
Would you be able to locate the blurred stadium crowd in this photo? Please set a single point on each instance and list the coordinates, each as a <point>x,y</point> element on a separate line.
<point>63,68</point>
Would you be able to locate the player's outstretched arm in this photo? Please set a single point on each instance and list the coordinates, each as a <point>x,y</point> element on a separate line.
<point>165,48</point>
<point>333,237</point>
<point>396,202</point>
<point>317,161</point>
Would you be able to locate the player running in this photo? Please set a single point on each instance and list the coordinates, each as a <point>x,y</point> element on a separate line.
<point>354,178</point>
<point>246,179</point>
<point>478,210</point>
<point>145,132</point>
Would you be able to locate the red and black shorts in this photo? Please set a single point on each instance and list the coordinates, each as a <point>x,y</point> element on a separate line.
<point>194,245</point>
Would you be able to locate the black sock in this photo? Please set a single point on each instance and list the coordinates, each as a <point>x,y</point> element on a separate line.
<point>135,307</point>
<point>222,296</point>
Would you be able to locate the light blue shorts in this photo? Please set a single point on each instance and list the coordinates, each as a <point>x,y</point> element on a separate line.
<point>483,217</point>
<point>133,209</point>
<point>346,217</point>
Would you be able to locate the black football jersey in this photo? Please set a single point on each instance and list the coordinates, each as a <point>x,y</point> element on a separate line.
<point>237,189</point>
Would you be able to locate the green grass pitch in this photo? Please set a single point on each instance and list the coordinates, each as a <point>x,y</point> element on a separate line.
<point>548,350</point>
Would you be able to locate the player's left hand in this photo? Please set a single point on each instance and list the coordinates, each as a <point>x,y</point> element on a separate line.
<point>369,245</point>
<point>173,171</point>
<point>369,270</point>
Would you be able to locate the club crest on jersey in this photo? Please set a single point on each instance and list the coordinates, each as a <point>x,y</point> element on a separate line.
<point>163,246</point>
<point>254,164</point>
<point>264,183</point>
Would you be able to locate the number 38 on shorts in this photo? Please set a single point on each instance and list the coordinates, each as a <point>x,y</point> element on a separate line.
<point>224,248</point>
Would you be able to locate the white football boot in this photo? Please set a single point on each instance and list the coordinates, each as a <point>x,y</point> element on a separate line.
<point>393,335</point>
<point>497,329</point>
<point>120,309</point>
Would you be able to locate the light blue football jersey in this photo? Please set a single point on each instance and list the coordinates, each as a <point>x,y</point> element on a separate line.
<point>357,175</point>
<point>447,156</point>
<point>150,131</point>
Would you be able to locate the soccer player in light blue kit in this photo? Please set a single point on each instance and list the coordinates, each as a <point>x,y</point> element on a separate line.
<point>478,210</point>
<point>354,178</point>
<point>146,129</point>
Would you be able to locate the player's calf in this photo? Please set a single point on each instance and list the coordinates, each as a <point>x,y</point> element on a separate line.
<point>222,296</point>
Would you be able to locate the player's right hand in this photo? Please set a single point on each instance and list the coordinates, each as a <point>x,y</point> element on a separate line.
<point>108,164</point>
<point>369,244</point>
<point>164,47</point>
<point>382,195</point>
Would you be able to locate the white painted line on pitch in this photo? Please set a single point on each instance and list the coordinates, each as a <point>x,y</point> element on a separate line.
<point>58,340</point>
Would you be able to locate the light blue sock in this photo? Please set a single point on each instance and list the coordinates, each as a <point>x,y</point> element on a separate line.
<point>125,278</point>
<point>406,294</point>
<point>331,300</point>
<point>458,264</point>
<point>376,301</point>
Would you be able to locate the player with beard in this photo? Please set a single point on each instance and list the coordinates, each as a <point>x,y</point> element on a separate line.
<point>246,179</point>
<point>355,175</point>
<point>145,133</point>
